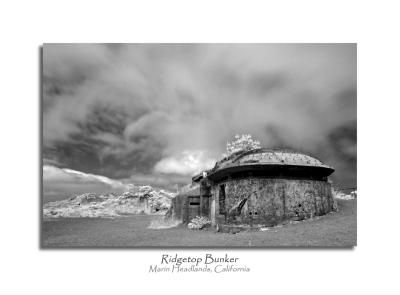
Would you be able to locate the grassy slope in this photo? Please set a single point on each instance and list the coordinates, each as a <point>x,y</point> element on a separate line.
<point>337,229</point>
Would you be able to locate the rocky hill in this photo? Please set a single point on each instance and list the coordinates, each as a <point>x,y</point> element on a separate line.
<point>136,200</point>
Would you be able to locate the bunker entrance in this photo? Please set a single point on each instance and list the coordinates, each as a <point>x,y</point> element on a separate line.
<point>205,206</point>
<point>221,198</point>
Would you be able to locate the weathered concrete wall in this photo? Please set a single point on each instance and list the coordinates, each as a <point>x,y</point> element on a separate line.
<point>270,201</point>
<point>178,207</point>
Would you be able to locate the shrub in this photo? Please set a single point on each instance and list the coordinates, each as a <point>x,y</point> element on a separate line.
<point>199,222</point>
<point>337,194</point>
<point>241,143</point>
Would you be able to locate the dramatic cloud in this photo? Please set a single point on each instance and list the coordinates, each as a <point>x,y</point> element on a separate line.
<point>188,163</point>
<point>160,112</point>
<point>59,183</point>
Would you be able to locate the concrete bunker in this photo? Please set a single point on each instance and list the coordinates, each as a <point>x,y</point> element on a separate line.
<point>261,187</point>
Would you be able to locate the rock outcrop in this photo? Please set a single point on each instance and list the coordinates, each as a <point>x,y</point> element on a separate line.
<point>137,200</point>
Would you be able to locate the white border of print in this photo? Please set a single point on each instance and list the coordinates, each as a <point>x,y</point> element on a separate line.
<point>370,268</point>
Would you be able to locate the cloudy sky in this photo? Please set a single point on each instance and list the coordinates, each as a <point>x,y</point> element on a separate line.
<point>158,113</point>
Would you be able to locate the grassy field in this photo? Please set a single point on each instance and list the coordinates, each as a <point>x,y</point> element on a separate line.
<point>337,229</point>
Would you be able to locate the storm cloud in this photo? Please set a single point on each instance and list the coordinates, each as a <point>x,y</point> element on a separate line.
<point>157,113</point>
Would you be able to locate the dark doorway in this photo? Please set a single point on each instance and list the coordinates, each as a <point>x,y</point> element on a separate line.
<point>221,199</point>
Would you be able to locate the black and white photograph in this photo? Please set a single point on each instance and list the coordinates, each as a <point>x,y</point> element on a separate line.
<point>199,147</point>
<point>205,145</point>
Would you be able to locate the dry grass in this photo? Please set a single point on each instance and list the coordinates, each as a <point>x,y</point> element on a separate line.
<point>337,229</point>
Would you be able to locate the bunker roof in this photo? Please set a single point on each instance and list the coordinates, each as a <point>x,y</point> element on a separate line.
<point>268,158</point>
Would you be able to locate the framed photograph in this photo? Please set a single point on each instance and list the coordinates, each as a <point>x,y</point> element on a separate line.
<point>199,145</point>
